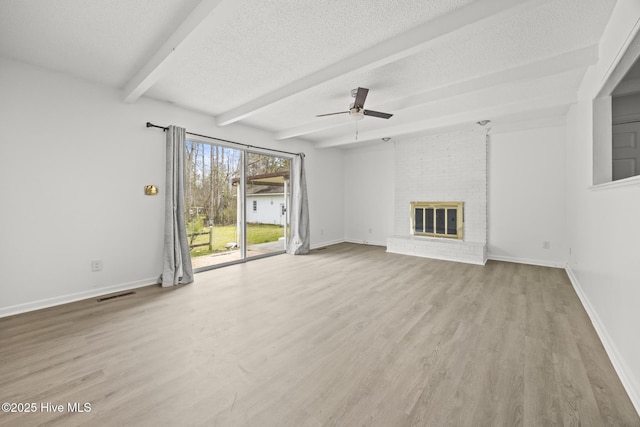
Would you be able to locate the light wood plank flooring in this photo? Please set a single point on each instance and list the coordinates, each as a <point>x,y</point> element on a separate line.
<point>346,336</point>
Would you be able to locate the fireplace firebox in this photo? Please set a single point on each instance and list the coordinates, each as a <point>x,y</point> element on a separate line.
<point>437,219</point>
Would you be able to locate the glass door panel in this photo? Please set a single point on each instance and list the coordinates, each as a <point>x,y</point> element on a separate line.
<point>267,201</point>
<point>213,198</point>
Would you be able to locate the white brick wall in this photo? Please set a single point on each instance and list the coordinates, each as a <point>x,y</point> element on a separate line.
<point>449,167</point>
<point>447,249</point>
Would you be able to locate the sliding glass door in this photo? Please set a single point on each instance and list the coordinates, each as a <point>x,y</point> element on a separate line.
<point>267,195</point>
<point>237,203</point>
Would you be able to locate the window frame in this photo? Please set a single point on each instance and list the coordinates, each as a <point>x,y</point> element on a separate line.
<point>602,120</point>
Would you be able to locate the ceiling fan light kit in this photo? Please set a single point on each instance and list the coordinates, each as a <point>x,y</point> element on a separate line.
<point>356,113</point>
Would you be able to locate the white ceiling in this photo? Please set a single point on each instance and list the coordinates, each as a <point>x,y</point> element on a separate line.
<point>276,64</point>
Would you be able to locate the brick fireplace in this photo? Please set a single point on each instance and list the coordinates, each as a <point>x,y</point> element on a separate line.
<point>440,169</point>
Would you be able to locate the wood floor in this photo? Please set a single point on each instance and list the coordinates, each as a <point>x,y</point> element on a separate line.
<point>346,336</point>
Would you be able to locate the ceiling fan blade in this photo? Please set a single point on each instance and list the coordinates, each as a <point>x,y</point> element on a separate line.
<point>361,95</point>
<point>377,114</point>
<point>332,114</point>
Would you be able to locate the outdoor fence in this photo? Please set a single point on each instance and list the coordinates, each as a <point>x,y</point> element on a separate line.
<point>192,237</point>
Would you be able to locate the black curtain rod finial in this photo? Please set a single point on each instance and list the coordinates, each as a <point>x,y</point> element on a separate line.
<point>151,125</point>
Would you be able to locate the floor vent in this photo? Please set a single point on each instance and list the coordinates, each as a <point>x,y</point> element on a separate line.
<point>124,294</point>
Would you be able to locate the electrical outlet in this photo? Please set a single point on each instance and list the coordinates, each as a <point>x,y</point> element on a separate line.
<point>370,231</point>
<point>322,231</point>
<point>546,245</point>
<point>96,265</point>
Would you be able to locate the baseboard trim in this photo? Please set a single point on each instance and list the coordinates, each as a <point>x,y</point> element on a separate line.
<point>541,263</point>
<point>366,242</point>
<point>325,244</point>
<point>628,382</point>
<point>78,296</point>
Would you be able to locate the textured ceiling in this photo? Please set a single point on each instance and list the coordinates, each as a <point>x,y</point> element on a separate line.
<point>275,64</point>
<point>259,49</point>
<point>104,41</point>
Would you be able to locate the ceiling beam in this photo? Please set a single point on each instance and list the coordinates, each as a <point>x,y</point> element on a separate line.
<point>524,107</point>
<point>575,59</point>
<point>164,58</point>
<point>385,52</point>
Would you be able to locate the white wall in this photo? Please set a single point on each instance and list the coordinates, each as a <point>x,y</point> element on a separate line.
<point>73,163</point>
<point>526,196</point>
<point>325,182</point>
<point>369,194</point>
<point>603,225</point>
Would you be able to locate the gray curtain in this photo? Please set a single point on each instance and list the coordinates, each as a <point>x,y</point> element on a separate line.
<point>299,241</point>
<point>176,259</point>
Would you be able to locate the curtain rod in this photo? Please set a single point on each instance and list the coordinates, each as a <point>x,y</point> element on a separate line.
<point>151,125</point>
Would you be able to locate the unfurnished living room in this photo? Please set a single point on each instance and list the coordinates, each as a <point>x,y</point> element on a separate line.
<point>314,213</point>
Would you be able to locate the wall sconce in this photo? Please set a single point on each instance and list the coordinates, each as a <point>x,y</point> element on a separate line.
<point>150,190</point>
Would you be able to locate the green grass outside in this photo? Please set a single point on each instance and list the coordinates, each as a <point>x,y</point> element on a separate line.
<point>224,234</point>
